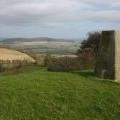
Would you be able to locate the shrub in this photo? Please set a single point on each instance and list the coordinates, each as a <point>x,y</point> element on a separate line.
<point>13,65</point>
<point>2,69</point>
<point>47,60</point>
<point>65,64</point>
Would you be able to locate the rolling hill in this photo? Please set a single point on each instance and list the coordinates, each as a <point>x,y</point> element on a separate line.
<point>7,54</point>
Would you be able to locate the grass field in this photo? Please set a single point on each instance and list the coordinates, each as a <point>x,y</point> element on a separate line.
<point>35,94</point>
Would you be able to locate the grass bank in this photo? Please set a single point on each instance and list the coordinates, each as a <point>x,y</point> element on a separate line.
<point>35,94</point>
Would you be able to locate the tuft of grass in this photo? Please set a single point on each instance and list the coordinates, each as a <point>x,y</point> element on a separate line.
<point>36,94</point>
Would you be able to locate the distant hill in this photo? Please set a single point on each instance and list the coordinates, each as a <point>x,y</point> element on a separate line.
<point>34,39</point>
<point>1,39</point>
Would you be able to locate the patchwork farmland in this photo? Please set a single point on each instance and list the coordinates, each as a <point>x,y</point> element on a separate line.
<point>42,45</point>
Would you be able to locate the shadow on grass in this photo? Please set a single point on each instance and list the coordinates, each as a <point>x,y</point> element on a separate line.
<point>22,69</point>
<point>86,74</point>
<point>89,74</point>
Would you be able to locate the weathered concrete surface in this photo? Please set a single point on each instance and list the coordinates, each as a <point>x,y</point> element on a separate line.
<point>108,57</point>
<point>117,56</point>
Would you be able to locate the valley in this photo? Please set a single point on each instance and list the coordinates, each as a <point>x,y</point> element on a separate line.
<point>42,45</point>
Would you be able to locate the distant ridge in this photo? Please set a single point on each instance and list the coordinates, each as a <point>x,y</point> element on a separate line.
<point>1,39</point>
<point>35,39</point>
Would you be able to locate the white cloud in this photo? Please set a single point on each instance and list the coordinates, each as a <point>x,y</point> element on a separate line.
<point>66,18</point>
<point>51,12</point>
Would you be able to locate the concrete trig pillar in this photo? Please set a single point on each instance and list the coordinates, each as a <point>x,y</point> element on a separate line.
<point>108,57</point>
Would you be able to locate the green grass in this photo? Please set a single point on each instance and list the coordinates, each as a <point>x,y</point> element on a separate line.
<point>35,94</point>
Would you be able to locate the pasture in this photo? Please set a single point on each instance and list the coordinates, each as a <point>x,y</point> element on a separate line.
<point>36,94</point>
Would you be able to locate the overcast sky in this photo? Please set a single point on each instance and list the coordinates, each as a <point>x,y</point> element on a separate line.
<point>57,18</point>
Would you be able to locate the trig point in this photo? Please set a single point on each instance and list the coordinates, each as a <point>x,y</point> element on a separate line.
<point>108,57</point>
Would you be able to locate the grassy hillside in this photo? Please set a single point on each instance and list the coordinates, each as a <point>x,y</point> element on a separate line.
<point>35,94</point>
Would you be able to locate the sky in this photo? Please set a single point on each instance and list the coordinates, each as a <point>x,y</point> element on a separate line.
<point>70,19</point>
